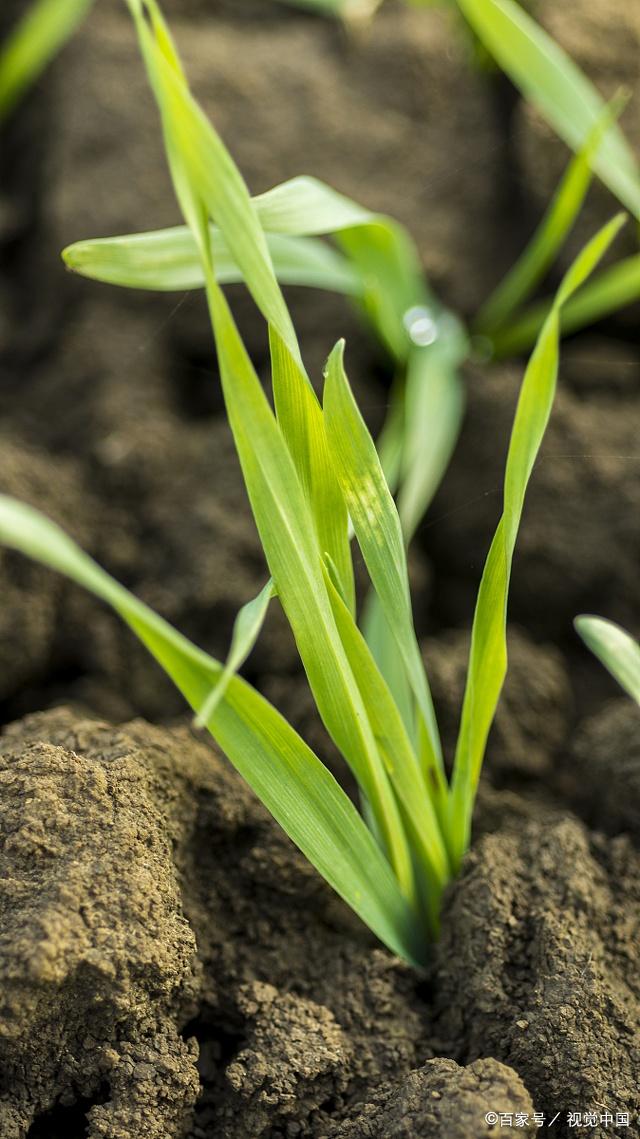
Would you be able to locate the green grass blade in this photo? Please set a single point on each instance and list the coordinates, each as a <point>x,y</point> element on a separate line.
<point>588,259</point>
<point>38,37</point>
<point>210,186</point>
<point>550,79</point>
<point>488,653</point>
<point>615,648</point>
<point>386,654</point>
<point>383,268</point>
<point>201,161</point>
<point>168,260</point>
<point>551,234</point>
<point>613,288</point>
<point>377,528</point>
<point>302,424</point>
<point>285,524</point>
<point>246,630</point>
<point>285,774</point>
<point>433,407</point>
<point>395,747</point>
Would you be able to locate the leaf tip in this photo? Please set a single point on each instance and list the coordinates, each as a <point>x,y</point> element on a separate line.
<point>68,256</point>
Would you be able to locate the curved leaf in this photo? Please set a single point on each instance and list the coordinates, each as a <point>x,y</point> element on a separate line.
<point>488,653</point>
<point>285,774</point>
<point>168,260</point>
<point>556,86</point>
<point>613,288</point>
<point>615,648</point>
<point>40,34</point>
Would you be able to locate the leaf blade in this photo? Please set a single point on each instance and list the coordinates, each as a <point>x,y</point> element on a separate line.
<point>285,774</point>
<point>615,649</point>
<point>488,652</point>
<point>550,235</point>
<point>610,290</point>
<point>168,260</point>
<point>246,630</point>
<point>40,34</point>
<point>377,527</point>
<point>551,80</point>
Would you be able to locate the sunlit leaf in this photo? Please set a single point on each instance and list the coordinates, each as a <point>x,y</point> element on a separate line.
<point>199,158</point>
<point>615,648</point>
<point>611,290</point>
<point>167,260</point>
<point>488,653</point>
<point>379,534</point>
<point>37,38</point>
<point>246,630</point>
<point>285,774</point>
<point>208,187</point>
<point>550,235</point>
<point>551,80</point>
<point>433,407</point>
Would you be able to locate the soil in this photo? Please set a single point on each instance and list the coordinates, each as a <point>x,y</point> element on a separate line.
<point>170,966</point>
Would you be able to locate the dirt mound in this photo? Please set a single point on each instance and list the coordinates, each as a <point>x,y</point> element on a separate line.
<point>443,1098</point>
<point>537,966</point>
<point>98,964</point>
<point>112,837</point>
<point>172,959</point>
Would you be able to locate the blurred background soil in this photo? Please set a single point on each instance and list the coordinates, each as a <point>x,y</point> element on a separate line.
<point>112,422</point>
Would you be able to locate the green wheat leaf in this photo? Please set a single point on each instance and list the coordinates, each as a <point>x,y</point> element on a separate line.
<point>168,260</point>
<point>282,513</point>
<point>400,760</point>
<point>379,534</point>
<point>285,774</point>
<point>209,187</point>
<point>280,500</point>
<point>246,630</point>
<point>200,159</point>
<point>550,235</point>
<point>550,79</point>
<point>37,38</point>
<point>615,648</point>
<point>302,424</point>
<point>433,407</point>
<point>488,653</point>
<point>611,290</point>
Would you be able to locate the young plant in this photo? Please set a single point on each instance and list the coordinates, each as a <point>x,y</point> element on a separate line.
<point>312,473</point>
<point>615,648</point>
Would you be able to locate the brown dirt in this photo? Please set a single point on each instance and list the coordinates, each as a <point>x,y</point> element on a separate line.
<point>157,925</point>
<point>169,964</point>
<point>579,545</point>
<point>604,775</point>
<point>538,962</point>
<point>532,722</point>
